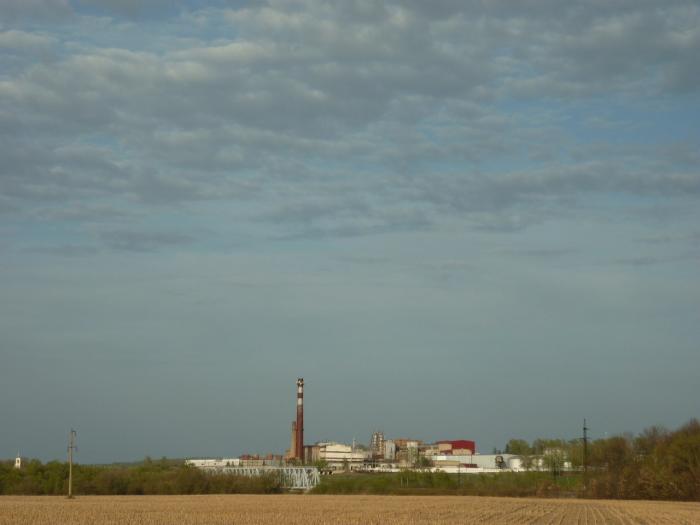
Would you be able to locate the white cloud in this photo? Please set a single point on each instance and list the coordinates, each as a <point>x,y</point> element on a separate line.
<point>23,40</point>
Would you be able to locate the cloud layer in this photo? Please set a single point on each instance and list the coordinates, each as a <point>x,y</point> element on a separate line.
<point>360,114</point>
<point>199,200</point>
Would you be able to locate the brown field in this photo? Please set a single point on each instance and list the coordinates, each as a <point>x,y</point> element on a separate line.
<point>305,509</point>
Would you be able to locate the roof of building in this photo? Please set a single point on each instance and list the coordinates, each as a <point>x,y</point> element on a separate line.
<point>460,443</point>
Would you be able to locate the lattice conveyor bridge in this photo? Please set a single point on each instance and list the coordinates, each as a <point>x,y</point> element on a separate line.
<point>297,478</point>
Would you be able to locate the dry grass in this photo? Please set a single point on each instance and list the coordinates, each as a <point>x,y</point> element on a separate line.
<point>306,509</point>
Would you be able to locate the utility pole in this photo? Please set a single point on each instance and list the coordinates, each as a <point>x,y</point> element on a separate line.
<point>585,454</point>
<point>71,448</point>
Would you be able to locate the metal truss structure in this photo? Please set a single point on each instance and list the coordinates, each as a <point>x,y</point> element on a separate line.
<point>297,478</point>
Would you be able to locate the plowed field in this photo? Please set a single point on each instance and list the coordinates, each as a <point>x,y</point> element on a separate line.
<point>306,509</point>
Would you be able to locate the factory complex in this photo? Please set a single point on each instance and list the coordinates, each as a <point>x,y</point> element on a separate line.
<point>380,455</point>
<point>392,455</point>
<point>332,457</point>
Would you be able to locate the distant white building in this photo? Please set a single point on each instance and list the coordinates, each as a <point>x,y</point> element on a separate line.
<point>339,456</point>
<point>213,463</point>
<point>478,463</point>
<point>389,450</point>
<point>18,461</point>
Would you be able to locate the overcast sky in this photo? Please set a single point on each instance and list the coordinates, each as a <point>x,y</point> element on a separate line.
<point>454,219</point>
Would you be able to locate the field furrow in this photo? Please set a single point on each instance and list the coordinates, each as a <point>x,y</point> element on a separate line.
<point>309,510</point>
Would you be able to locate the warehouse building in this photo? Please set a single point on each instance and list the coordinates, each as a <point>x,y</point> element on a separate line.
<point>338,456</point>
<point>213,462</point>
<point>457,447</point>
<point>476,463</point>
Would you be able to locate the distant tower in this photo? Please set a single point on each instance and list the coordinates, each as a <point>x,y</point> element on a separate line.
<point>376,445</point>
<point>18,461</point>
<point>299,452</point>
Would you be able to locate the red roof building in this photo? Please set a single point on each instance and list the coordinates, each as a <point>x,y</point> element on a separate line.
<point>447,446</point>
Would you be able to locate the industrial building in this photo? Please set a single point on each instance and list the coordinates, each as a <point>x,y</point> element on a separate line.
<point>477,463</point>
<point>213,462</point>
<point>338,456</point>
<point>382,455</point>
<point>456,447</point>
<point>376,445</point>
<point>389,450</point>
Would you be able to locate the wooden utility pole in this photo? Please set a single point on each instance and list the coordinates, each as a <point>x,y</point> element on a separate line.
<point>585,454</point>
<point>71,447</point>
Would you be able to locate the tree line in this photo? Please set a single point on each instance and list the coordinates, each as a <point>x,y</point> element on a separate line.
<point>655,464</point>
<point>148,477</point>
<point>417,482</point>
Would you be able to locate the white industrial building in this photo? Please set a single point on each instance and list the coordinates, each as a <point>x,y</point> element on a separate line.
<point>475,463</point>
<point>339,456</point>
<point>213,462</point>
<point>389,450</point>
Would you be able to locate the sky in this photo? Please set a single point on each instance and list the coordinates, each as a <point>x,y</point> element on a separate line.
<point>455,219</point>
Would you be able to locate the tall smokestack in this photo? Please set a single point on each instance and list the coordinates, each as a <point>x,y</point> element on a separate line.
<point>299,453</point>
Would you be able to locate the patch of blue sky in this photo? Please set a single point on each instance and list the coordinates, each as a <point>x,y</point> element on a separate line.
<point>35,234</point>
<point>157,26</point>
<point>634,122</point>
<point>93,33</point>
<point>216,224</point>
<point>658,117</point>
<point>153,11</point>
<point>450,156</point>
<point>103,140</point>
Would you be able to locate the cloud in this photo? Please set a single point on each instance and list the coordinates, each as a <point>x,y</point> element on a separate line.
<point>12,11</point>
<point>544,253</point>
<point>22,40</point>
<point>66,250</point>
<point>649,260</point>
<point>80,213</point>
<point>133,9</point>
<point>136,241</point>
<point>690,238</point>
<point>339,119</point>
<point>406,175</point>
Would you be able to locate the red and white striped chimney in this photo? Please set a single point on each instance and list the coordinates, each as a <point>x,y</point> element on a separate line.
<point>299,452</point>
